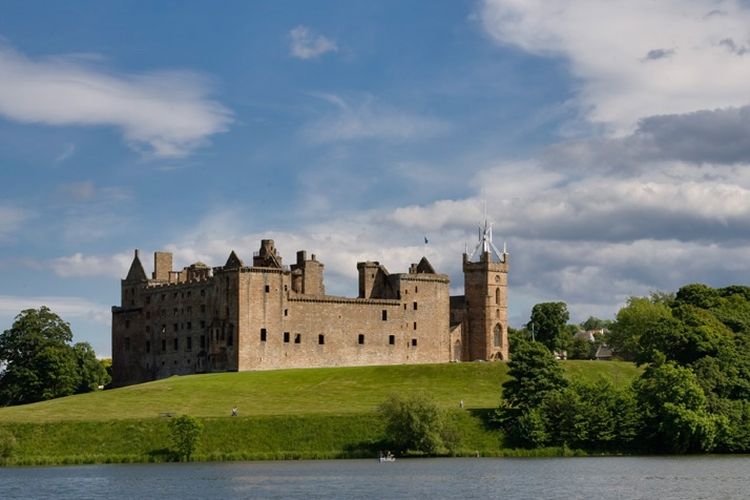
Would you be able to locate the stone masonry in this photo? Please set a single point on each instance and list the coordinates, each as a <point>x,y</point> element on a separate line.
<point>269,316</point>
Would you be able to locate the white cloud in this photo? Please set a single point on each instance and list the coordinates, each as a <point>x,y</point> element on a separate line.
<point>65,307</point>
<point>11,220</point>
<point>636,58</point>
<point>369,119</point>
<point>306,44</point>
<point>77,265</point>
<point>166,114</point>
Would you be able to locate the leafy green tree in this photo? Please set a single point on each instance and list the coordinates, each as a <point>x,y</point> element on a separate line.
<point>533,372</point>
<point>548,321</point>
<point>698,295</point>
<point>413,423</point>
<point>38,362</point>
<point>673,409</point>
<point>639,315</point>
<point>593,323</point>
<point>92,372</point>
<point>185,432</point>
<point>580,348</point>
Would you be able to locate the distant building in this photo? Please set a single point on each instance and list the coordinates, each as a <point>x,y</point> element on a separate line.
<point>268,316</point>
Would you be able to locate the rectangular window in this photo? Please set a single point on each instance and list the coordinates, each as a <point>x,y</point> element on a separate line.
<point>230,337</point>
<point>148,346</point>
<point>163,345</point>
<point>203,324</point>
<point>361,339</point>
<point>163,328</point>
<point>189,345</point>
<point>189,325</point>
<point>297,338</point>
<point>385,315</point>
<point>416,289</point>
<point>148,300</point>
<point>415,306</point>
<point>414,342</point>
<point>415,325</point>
<point>176,343</point>
<point>263,335</point>
<point>286,337</point>
<point>203,341</point>
<point>391,339</point>
<point>175,327</point>
<point>404,307</point>
<point>203,294</point>
<point>286,312</point>
<point>268,288</point>
<point>321,339</point>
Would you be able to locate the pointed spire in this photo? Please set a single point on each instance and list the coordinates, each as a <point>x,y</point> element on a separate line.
<point>233,261</point>
<point>136,272</point>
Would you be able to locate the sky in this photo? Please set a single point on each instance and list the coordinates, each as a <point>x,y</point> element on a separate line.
<point>607,142</point>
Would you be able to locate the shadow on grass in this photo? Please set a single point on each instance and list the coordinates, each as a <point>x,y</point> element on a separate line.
<point>488,417</point>
<point>163,455</point>
<point>364,449</point>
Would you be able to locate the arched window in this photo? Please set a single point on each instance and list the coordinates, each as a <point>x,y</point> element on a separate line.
<point>498,333</point>
<point>497,295</point>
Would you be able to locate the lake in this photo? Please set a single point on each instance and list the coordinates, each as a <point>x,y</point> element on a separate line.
<point>523,478</point>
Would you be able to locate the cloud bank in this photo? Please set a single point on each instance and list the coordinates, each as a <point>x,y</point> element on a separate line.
<point>164,114</point>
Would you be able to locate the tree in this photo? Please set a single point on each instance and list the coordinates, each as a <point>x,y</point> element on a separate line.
<point>39,363</point>
<point>632,321</point>
<point>185,432</point>
<point>594,323</point>
<point>93,372</point>
<point>674,414</point>
<point>415,423</point>
<point>548,321</point>
<point>533,372</point>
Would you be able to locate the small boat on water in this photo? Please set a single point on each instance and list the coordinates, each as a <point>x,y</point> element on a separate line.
<point>387,457</point>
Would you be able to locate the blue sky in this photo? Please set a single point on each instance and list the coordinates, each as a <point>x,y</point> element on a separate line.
<point>610,143</point>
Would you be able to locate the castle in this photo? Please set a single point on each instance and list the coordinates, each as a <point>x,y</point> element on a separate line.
<point>270,316</point>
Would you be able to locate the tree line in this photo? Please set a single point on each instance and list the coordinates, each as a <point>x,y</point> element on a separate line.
<point>693,396</point>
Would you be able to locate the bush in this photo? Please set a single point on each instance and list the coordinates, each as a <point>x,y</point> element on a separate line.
<point>415,424</point>
<point>185,431</point>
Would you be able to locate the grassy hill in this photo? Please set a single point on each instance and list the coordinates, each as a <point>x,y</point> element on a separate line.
<point>311,413</point>
<point>326,391</point>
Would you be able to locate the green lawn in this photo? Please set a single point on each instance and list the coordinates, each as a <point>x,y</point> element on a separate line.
<point>316,391</point>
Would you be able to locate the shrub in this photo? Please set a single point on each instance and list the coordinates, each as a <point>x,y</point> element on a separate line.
<point>185,431</point>
<point>415,424</point>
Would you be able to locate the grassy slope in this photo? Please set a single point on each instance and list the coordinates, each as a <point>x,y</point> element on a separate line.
<point>298,392</point>
<point>315,413</point>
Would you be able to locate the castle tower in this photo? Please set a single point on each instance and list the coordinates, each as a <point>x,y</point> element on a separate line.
<point>486,295</point>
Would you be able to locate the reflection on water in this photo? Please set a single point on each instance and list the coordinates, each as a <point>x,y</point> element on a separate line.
<point>524,478</point>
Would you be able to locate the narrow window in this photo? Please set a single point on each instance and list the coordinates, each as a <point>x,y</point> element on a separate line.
<point>414,342</point>
<point>268,288</point>
<point>286,312</point>
<point>203,341</point>
<point>189,345</point>
<point>163,296</point>
<point>163,328</point>
<point>391,339</point>
<point>415,306</point>
<point>176,343</point>
<point>286,337</point>
<point>188,294</point>
<point>189,325</point>
<point>203,294</point>
<point>497,336</point>
<point>163,345</point>
<point>262,334</point>
<point>148,346</point>
<point>415,325</point>
<point>404,307</point>
<point>385,315</point>
<point>497,295</point>
<point>203,324</point>
<point>297,338</point>
<point>416,289</point>
<point>285,288</point>
<point>361,339</point>
<point>321,339</point>
<point>148,300</point>
<point>230,337</point>
<point>175,326</point>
